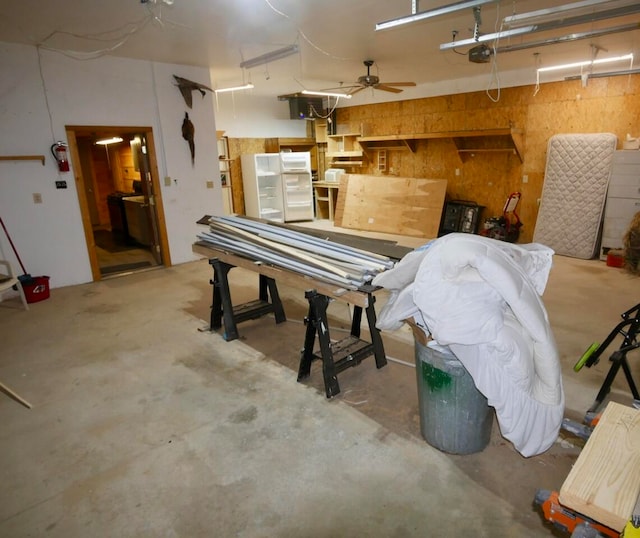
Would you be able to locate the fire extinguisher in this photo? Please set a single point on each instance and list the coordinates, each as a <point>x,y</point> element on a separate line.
<point>59,151</point>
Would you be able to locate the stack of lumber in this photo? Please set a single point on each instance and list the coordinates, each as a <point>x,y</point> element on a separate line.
<point>306,254</point>
<point>605,481</point>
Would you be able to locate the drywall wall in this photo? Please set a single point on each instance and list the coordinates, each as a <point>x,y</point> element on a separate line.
<point>46,91</point>
<point>243,115</point>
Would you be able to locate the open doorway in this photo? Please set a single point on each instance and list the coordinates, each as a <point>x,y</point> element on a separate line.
<point>120,201</point>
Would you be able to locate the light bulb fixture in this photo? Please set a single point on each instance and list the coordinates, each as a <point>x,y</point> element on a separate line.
<point>235,88</point>
<point>269,57</point>
<point>586,63</point>
<point>107,141</point>
<point>422,15</point>
<point>326,94</point>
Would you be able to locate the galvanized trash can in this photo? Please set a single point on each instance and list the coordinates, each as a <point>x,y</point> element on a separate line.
<point>454,415</point>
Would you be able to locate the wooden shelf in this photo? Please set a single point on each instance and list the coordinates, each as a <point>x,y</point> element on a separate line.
<point>467,142</point>
<point>23,158</point>
<point>389,142</point>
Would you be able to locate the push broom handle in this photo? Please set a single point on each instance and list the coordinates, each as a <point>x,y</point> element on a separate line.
<point>12,245</point>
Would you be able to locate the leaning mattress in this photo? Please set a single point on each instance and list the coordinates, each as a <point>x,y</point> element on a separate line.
<point>574,193</point>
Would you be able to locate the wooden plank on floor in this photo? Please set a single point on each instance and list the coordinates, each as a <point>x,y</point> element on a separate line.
<point>605,481</point>
<point>397,205</point>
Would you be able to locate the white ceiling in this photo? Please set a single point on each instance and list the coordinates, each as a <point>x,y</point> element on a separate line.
<point>334,37</point>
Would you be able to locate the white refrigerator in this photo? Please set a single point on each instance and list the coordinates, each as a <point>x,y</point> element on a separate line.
<point>277,186</point>
<point>262,183</point>
<point>297,189</point>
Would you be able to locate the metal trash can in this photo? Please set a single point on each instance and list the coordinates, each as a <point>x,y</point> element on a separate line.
<point>454,415</point>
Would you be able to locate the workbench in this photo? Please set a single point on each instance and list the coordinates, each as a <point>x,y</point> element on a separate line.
<point>337,356</point>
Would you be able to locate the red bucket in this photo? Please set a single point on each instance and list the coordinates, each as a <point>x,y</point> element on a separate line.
<point>36,289</point>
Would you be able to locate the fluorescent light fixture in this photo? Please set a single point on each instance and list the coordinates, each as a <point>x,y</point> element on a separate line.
<point>568,38</point>
<point>326,94</point>
<point>269,57</point>
<point>107,141</point>
<point>422,15</point>
<point>586,63</point>
<point>235,88</point>
<point>560,19</point>
<point>584,8</point>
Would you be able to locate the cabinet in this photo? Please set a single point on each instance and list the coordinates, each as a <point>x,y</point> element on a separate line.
<point>262,182</point>
<point>344,150</point>
<point>623,199</point>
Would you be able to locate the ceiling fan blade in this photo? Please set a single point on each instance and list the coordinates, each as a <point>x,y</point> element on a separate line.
<point>399,83</point>
<point>358,89</point>
<point>386,88</point>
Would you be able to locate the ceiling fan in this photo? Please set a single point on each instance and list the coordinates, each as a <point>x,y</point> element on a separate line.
<point>372,81</point>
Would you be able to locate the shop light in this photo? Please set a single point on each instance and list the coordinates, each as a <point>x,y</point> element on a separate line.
<point>234,88</point>
<point>269,57</point>
<point>107,141</point>
<point>586,63</point>
<point>326,94</point>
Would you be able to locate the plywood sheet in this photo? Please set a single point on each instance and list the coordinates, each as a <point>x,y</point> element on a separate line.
<point>396,205</point>
<point>605,481</point>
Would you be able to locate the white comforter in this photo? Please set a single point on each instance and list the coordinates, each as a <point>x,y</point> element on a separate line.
<point>481,298</point>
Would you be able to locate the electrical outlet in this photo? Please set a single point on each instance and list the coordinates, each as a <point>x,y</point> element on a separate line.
<point>457,171</point>
<point>61,184</point>
<point>167,181</point>
<point>525,179</point>
<point>37,198</point>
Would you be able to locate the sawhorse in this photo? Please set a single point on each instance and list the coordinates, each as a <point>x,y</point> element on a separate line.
<point>345,353</point>
<point>629,328</point>
<point>222,308</point>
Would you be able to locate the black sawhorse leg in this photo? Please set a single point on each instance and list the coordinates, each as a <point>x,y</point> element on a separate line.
<point>222,308</point>
<point>629,328</point>
<point>343,354</point>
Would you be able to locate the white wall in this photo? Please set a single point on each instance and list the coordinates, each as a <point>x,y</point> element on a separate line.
<point>39,98</point>
<point>244,115</point>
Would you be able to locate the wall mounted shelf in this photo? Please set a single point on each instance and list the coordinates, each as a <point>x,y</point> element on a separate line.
<point>467,142</point>
<point>23,158</point>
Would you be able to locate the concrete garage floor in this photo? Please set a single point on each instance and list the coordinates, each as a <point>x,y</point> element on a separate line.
<point>144,425</point>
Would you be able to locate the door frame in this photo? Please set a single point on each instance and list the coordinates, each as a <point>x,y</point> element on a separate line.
<point>108,130</point>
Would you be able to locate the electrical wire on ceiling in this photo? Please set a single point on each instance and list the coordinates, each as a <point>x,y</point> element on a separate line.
<point>304,36</point>
<point>118,36</point>
<point>495,73</point>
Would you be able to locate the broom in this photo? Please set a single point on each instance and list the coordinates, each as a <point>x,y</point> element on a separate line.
<point>25,278</point>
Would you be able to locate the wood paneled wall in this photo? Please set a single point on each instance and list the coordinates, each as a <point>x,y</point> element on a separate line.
<point>604,105</point>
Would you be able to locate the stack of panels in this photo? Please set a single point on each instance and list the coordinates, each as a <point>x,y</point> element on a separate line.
<point>308,255</point>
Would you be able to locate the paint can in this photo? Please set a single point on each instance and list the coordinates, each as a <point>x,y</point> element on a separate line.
<point>454,415</point>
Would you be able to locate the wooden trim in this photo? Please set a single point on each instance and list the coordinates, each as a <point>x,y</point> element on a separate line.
<point>157,196</point>
<point>87,227</point>
<point>23,158</point>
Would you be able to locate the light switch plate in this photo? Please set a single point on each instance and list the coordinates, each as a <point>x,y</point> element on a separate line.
<point>37,198</point>
<point>209,184</point>
<point>167,181</point>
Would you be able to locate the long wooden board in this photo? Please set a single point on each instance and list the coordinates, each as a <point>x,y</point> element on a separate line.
<point>397,205</point>
<point>605,481</point>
